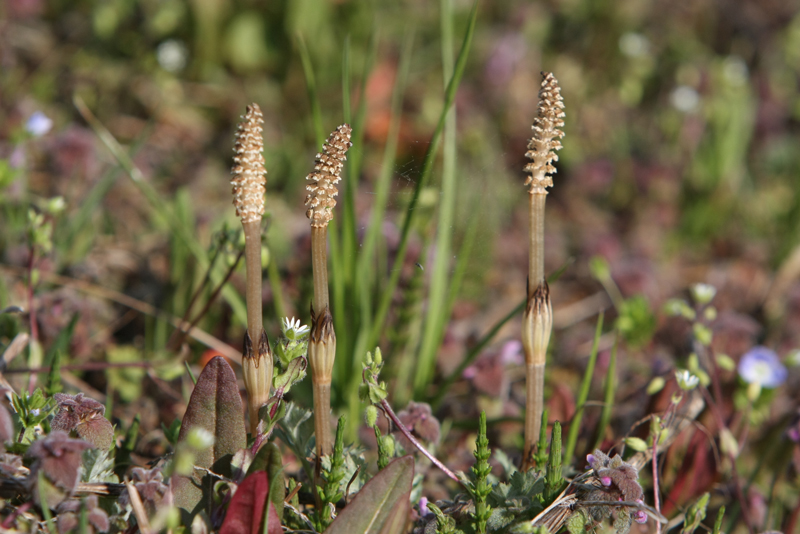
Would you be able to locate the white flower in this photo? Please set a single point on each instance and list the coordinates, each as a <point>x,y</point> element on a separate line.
<point>293,329</point>
<point>686,380</point>
<point>685,99</point>
<point>703,293</point>
<point>172,55</point>
<point>634,45</point>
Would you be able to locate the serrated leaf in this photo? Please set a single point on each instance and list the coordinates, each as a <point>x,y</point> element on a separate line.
<point>215,406</point>
<point>378,506</point>
<point>246,512</point>
<point>296,429</point>
<point>98,466</point>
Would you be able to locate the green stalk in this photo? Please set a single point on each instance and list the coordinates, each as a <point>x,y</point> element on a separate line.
<point>608,397</point>
<point>366,260</point>
<point>553,478</point>
<point>311,89</point>
<point>427,168</point>
<point>438,285</point>
<point>583,394</point>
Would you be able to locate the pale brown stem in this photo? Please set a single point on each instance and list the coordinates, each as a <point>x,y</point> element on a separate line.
<point>319,266</point>
<point>534,374</point>
<point>536,232</point>
<point>322,412</point>
<point>252,256</point>
<point>321,378</point>
<point>534,404</point>
<point>138,508</point>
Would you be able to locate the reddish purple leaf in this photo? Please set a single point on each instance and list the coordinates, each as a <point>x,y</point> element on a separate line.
<point>246,511</point>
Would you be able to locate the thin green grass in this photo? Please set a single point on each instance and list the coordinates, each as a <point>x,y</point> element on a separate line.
<point>609,391</point>
<point>359,323</point>
<point>311,88</point>
<point>369,258</point>
<point>161,210</point>
<point>349,288</point>
<point>437,295</point>
<point>583,394</point>
<point>77,230</point>
<point>427,169</point>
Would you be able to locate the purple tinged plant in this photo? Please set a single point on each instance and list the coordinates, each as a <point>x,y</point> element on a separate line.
<point>57,458</point>
<point>418,418</point>
<point>85,417</point>
<point>69,513</point>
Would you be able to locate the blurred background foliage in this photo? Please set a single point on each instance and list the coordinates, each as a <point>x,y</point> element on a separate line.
<point>680,165</point>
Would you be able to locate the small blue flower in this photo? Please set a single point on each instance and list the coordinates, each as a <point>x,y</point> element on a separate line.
<point>762,366</point>
<point>38,124</point>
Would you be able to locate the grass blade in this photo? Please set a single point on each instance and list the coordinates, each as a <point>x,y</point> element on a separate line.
<point>474,352</point>
<point>367,261</point>
<point>486,339</point>
<point>427,168</point>
<point>311,89</point>
<point>161,210</point>
<point>583,394</point>
<point>609,388</point>
<point>437,306</point>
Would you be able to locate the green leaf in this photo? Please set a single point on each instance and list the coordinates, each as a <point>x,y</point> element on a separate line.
<point>695,514</point>
<point>583,393</point>
<point>54,376</point>
<point>122,459</point>
<point>127,381</point>
<point>636,321</point>
<point>382,504</point>
<point>98,466</point>
<point>216,407</point>
<point>172,432</point>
